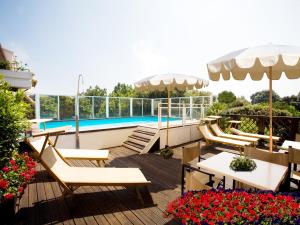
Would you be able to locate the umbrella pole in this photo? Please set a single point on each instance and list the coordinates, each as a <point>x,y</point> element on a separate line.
<point>168,115</point>
<point>270,108</point>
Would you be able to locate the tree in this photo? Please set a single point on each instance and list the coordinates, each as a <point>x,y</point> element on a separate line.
<point>263,96</point>
<point>197,93</point>
<point>160,94</point>
<point>96,91</point>
<point>123,90</point>
<point>226,97</point>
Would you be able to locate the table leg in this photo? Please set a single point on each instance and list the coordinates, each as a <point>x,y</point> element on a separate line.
<point>233,184</point>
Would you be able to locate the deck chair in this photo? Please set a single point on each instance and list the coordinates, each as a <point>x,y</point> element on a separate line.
<point>70,178</point>
<point>272,157</point>
<point>38,144</point>
<point>192,177</point>
<point>209,137</point>
<point>259,136</point>
<point>218,132</point>
<point>294,157</point>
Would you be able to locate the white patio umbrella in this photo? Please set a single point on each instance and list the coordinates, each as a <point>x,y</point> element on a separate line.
<point>170,82</point>
<point>272,60</point>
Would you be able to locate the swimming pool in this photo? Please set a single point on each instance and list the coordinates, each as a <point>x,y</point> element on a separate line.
<point>106,123</point>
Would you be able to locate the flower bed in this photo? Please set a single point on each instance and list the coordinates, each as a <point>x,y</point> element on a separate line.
<point>234,207</point>
<point>15,175</point>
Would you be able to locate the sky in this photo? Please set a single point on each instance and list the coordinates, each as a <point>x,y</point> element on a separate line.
<point>126,40</point>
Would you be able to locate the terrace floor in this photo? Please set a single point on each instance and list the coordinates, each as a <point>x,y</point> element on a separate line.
<point>42,202</point>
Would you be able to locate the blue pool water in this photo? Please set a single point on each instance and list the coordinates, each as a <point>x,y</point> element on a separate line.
<point>95,123</point>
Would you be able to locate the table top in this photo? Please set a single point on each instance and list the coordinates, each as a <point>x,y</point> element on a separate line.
<point>267,176</point>
<point>40,120</point>
<point>208,119</point>
<point>234,121</point>
<point>215,117</point>
<point>294,144</point>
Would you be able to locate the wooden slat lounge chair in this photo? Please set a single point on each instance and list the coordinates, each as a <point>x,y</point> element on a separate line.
<point>209,137</point>
<point>78,154</point>
<point>259,136</point>
<point>71,178</point>
<point>218,132</point>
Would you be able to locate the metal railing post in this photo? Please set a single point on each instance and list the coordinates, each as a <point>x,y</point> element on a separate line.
<point>183,115</point>
<point>107,107</point>
<point>211,100</point>
<point>120,111</point>
<point>191,107</point>
<point>93,107</point>
<point>152,107</point>
<point>131,107</point>
<point>37,106</point>
<point>202,111</point>
<point>142,107</point>
<point>58,108</point>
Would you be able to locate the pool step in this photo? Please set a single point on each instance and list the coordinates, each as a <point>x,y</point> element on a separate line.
<point>142,139</point>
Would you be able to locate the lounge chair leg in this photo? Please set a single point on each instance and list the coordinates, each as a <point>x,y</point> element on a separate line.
<point>138,192</point>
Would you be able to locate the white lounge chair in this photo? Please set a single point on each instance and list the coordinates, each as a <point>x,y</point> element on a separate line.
<point>38,144</point>
<point>209,137</point>
<point>71,178</point>
<point>259,136</point>
<point>218,132</point>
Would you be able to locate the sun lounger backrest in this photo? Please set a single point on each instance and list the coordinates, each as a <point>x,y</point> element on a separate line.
<point>206,132</point>
<point>235,131</point>
<point>216,129</point>
<point>53,161</point>
<point>37,143</point>
<point>264,155</point>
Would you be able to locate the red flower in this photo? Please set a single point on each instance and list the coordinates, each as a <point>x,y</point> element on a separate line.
<point>3,184</point>
<point>15,168</point>
<point>8,196</point>
<point>21,190</point>
<point>12,162</point>
<point>5,169</point>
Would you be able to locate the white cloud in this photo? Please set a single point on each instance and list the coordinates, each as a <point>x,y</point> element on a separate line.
<point>150,60</point>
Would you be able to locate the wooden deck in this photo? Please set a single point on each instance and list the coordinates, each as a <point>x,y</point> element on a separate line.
<point>42,202</point>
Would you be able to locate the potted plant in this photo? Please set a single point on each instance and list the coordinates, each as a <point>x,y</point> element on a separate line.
<point>242,163</point>
<point>167,152</point>
<point>234,207</point>
<point>14,177</point>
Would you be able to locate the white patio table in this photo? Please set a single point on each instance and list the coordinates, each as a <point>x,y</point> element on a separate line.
<point>267,176</point>
<point>294,144</point>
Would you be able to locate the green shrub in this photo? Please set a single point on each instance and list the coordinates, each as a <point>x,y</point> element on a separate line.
<point>257,109</point>
<point>216,108</point>
<point>13,120</point>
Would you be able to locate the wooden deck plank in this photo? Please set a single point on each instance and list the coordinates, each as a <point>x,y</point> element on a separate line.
<point>105,205</point>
